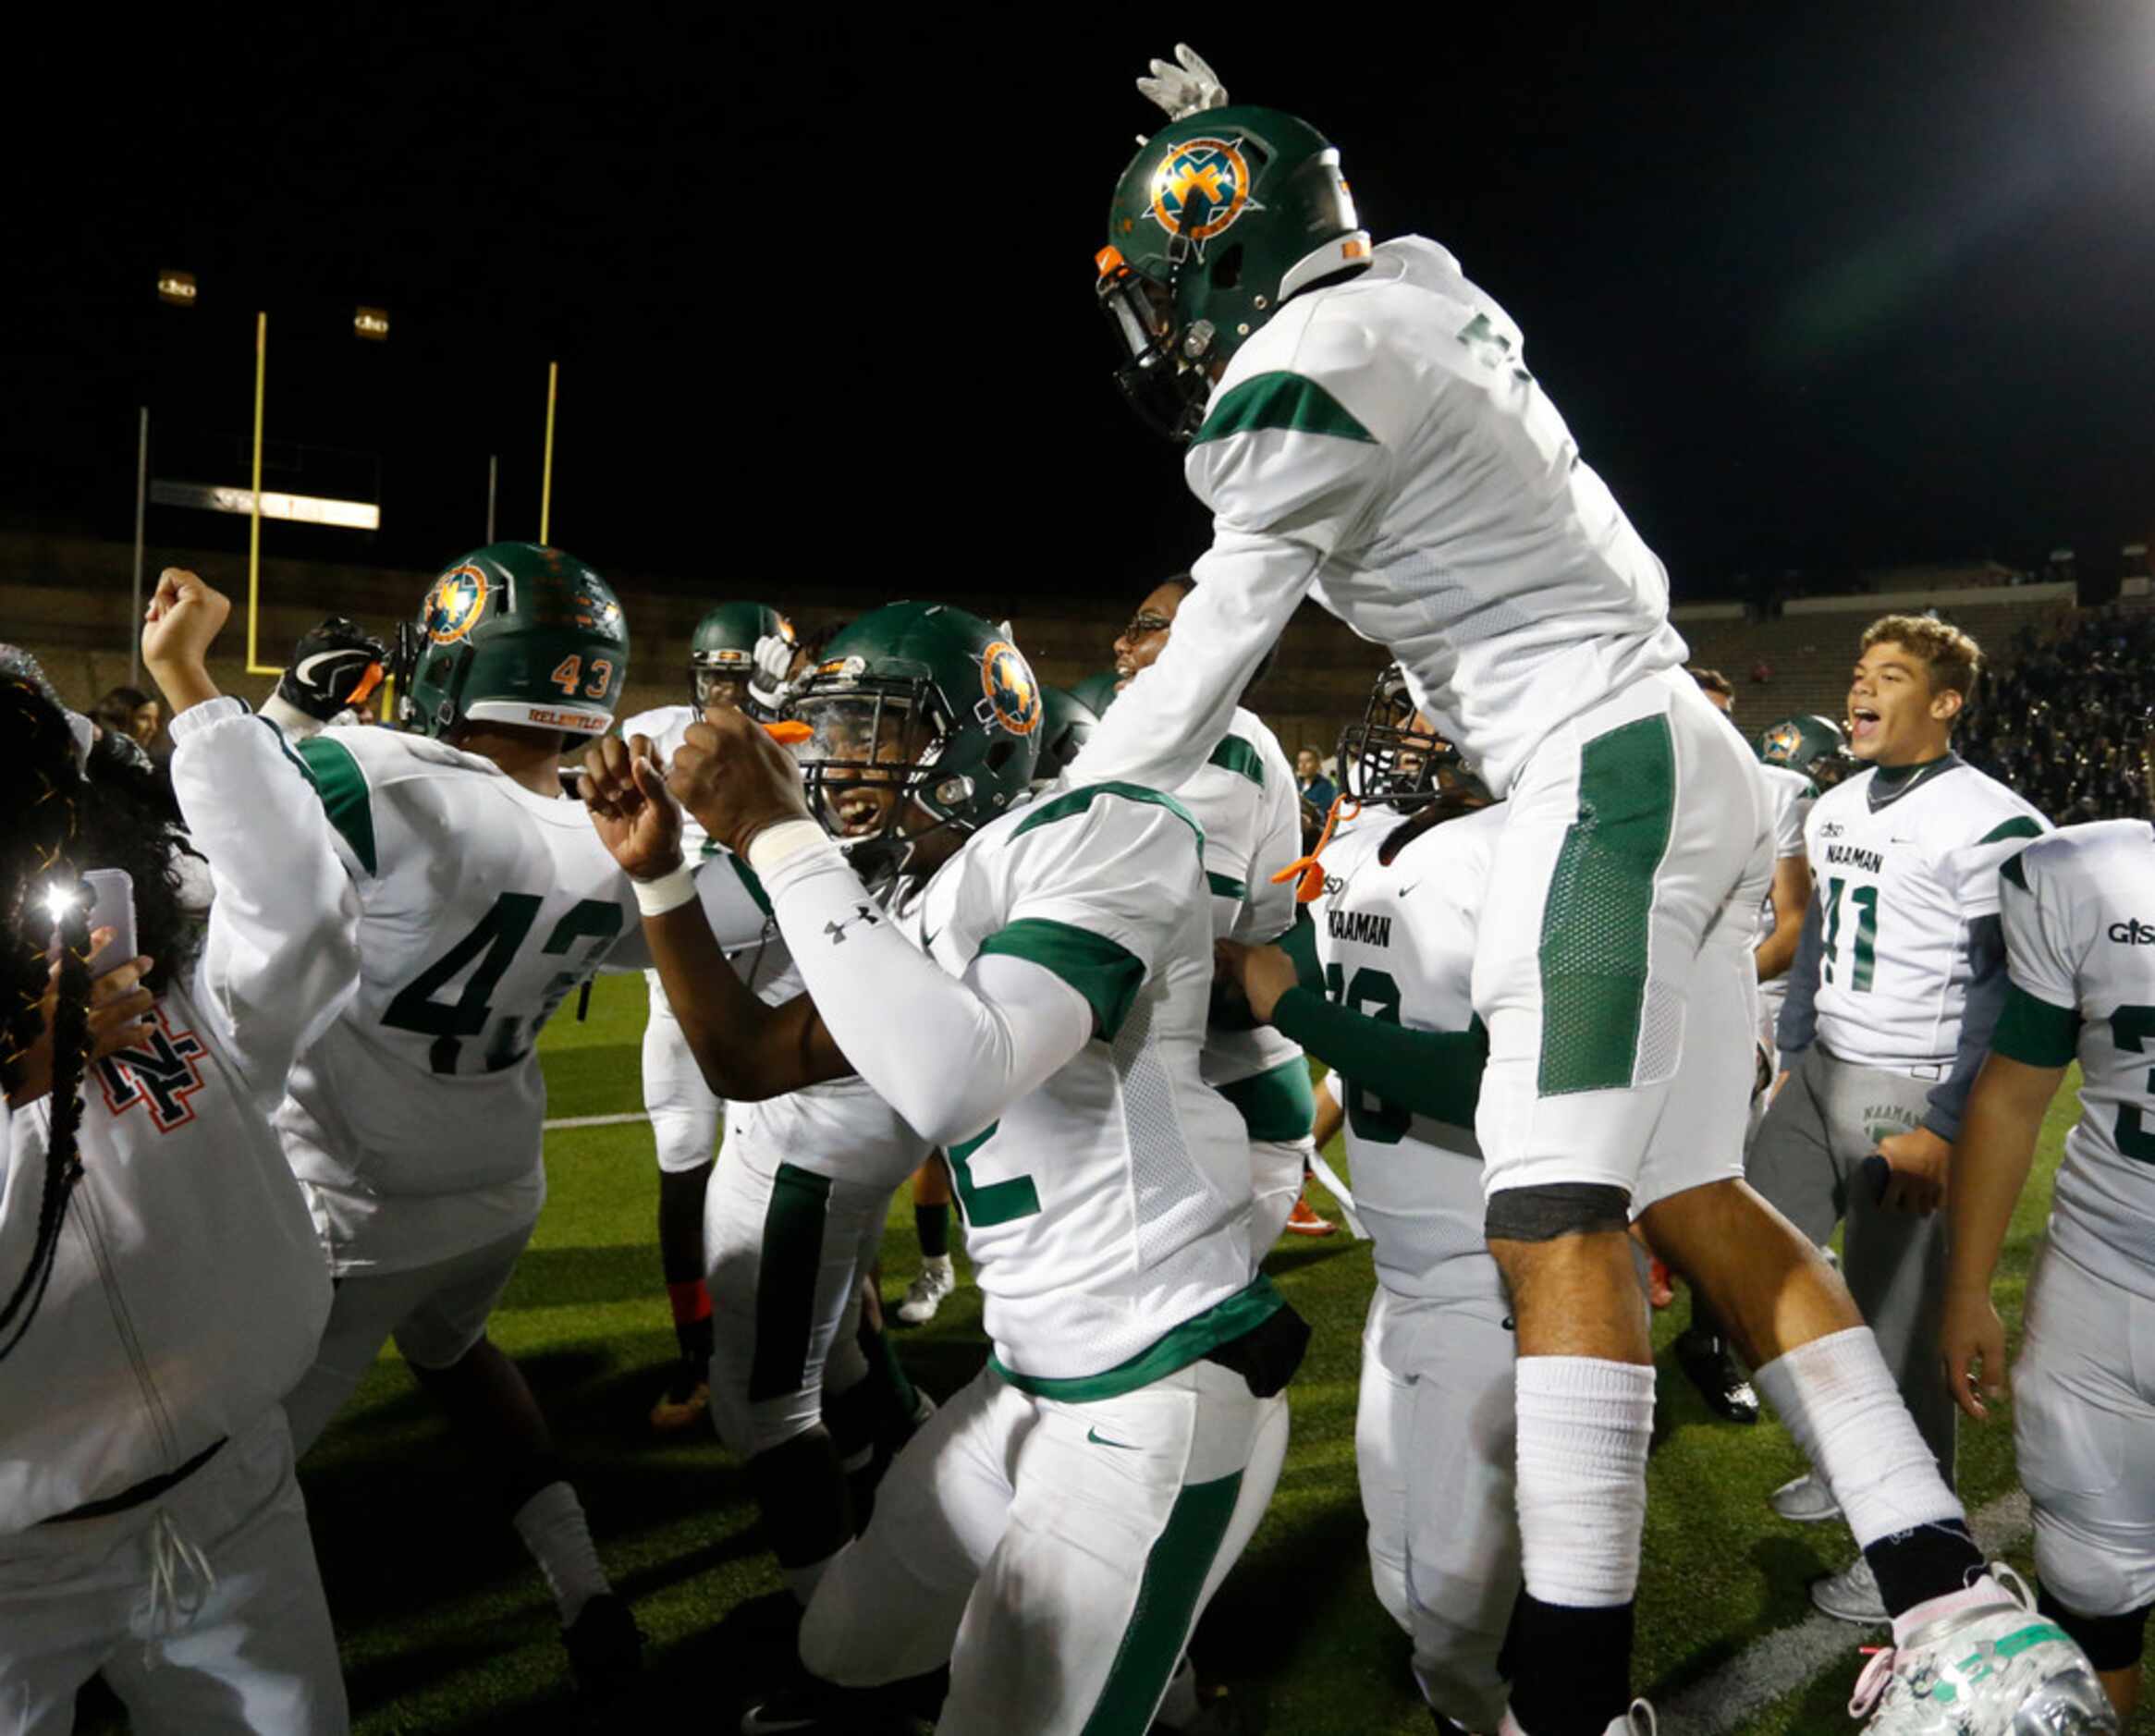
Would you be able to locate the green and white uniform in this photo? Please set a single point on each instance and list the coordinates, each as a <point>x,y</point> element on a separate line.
<point>1435,1425</point>
<point>1878,1027</point>
<point>2081,953</point>
<point>1791,795</point>
<point>1380,445</point>
<point>414,1121</point>
<point>1245,798</point>
<point>1055,1529</point>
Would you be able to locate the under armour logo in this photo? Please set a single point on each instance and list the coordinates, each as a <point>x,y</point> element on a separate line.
<point>862,913</point>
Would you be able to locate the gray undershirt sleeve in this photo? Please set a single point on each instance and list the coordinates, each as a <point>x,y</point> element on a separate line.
<point>1987,986</point>
<point>1798,1022</point>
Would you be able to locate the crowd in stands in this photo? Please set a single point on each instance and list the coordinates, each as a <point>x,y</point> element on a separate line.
<point>2063,720</point>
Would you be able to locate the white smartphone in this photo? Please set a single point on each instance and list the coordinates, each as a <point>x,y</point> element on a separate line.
<point>112,905</point>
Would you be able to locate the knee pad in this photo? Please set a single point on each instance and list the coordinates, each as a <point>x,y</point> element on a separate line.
<point>2111,1641</point>
<point>1557,1208</point>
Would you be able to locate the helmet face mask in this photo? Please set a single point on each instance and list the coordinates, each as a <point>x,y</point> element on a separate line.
<point>925,724</point>
<point>1812,745</point>
<point>1390,757</point>
<point>722,654</point>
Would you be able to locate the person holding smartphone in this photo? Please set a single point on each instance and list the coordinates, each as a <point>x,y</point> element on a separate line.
<point>161,1283</point>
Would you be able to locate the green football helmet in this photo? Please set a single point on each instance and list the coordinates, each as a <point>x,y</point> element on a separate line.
<point>1220,218</point>
<point>925,718</point>
<point>1067,724</point>
<point>1812,745</point>
<point>514,633</point>
<point>1096,692</point>
<point>724,650</point>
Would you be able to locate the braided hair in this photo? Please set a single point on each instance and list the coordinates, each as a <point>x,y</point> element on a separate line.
<point>41,805</point>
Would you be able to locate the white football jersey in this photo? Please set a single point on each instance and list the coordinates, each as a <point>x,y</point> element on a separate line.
<point>1381,445</point>
<point>1898,887</point>
<point>1791,795</point>
<point>415,1118</point>
<point>1397,943</point>
<point>1110,1206</point>
<point>1245,798</point>
<point>2080,910</point>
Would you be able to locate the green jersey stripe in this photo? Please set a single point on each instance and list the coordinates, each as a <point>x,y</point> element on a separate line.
<point>1234,754</point>
<point>1244,1311</point>
<point>1227,886</point>
<point>1106,975</point>
<point>343,788</point>
<point>1282,400</point>
<point>2033,1032</point>
<point>2021,827</point>
<point>753,887</point>
<point>1076,801</point>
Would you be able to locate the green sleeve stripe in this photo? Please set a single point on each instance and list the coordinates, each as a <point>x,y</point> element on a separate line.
<point>343,788</point>
<point>1226,886</point>
<point>2034,1033</point>
<point>1234,754</point>
<point>751,884</point>
<point>1076,801</point>
<point>2021,827</point>
<point>1244,1311</point>
<point>1107,975</point>
<point>2013,872</point>
<point>1282,400</point>
<point>1277,1105</point>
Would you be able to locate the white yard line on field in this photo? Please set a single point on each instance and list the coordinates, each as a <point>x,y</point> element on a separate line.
<point>1779,1664</point>
<point>596,1120</point>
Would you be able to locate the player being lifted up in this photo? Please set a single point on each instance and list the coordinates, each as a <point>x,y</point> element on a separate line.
<point>1038,985</point>
<point>1362,424</point>
<point>1390,1008</point>
<point>414,1120</point>
<point>2081,987</point>
<point>739,656</point>
<point>1244,797</point>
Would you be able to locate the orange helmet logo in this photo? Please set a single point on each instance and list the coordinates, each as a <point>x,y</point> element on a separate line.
<point>1007,679</point>
<point>1200,188</point>
<point>453,607</point>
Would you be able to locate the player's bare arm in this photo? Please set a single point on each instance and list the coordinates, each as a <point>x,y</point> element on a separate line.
<point>1989,1169</point>
<point>746,1051</point>
<point>182,621</point>
<point>1791,894</point>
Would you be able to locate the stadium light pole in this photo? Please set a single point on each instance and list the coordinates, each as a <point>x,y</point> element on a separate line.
<point>141,502</point>
<point>493,481</point>
<point>255,663</point>
<point>547,478</point>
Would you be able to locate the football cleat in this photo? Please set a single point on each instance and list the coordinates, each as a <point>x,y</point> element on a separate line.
<point>1851,1594</point>
<point>1704,1360</point>
<point>1638,1721</point>
<point>1304,1220</point>
<point>937,1278</point>
<point>605,1646</point>
<point>1806,1500</point>
<point>1996,1670</point>
<point>684,1403</point>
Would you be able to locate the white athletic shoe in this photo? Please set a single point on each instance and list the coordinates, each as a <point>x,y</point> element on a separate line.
<point>1994,1670</point>
<point>1638,1721</point>
<point>1852,1594</point>
<point>1805,1501</point>
<point>925,1294</point>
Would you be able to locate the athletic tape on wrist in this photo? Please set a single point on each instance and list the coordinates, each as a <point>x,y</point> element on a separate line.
<point>668,892</point>
<point>775,846</point>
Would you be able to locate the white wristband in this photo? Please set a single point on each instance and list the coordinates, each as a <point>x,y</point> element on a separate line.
<point>775,846</point>
<point>668,892</point>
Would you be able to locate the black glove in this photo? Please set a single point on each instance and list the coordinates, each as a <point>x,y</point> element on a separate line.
<point>338,665</point>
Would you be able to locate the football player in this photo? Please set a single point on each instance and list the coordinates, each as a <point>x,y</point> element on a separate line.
<point>739,656</point>
<point>2082,988</point>
<point>1244,797</point>
<point>1389,1007</point>
<point>1900,978</point>
<point>414,1119</point>
<point>1038,986</point>
<point>1362,424</point>
<point>164,1285</point>
<point>1801,759</point>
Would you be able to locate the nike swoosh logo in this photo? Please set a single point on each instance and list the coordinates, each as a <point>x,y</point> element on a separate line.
<point>306,668</point>
<point>1405,890</point>
<point>1099,1440</point>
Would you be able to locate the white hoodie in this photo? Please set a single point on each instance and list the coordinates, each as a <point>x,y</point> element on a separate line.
<point>190,1289</point>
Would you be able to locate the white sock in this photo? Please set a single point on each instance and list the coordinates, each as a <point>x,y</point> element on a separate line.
<point>1584,1428</point>
<point>553,1527</point>
<point>1841,1404</point>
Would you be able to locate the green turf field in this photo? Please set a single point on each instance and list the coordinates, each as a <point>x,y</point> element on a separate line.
<point>445,1625</point>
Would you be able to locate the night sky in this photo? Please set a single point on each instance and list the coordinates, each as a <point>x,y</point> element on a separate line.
<point>1865,284</point>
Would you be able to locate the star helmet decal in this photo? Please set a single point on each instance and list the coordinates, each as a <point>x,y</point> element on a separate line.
<point>1012,694</point>
<point>1781,743</point>
<point>453,607</point>
<point>1200,188</point>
